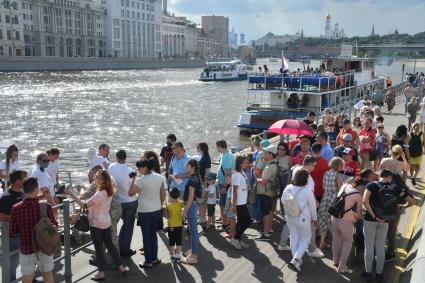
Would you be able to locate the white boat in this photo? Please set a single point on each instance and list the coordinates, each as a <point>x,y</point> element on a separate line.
<point>273,97</point>
<point>233,70</point>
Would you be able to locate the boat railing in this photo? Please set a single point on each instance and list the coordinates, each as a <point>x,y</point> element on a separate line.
<point>305,82</point>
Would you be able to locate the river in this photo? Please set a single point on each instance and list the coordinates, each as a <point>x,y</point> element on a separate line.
<point>132,110</point>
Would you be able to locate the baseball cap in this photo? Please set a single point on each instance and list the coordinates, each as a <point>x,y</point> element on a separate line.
<point>270,148</point>
<point>348,151</point>
<point>265,143</point>
<point>347,137</point>
<point>346,121</point>
<point>211,176</point>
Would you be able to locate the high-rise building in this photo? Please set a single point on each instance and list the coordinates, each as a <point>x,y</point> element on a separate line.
<point>233,39</point>
<point>217,28</point>
<point>328,33</point>
<point>133,28</point>
<point>242,38</point>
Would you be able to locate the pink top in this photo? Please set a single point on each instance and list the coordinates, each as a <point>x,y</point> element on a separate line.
<point>98,206</point>
<point>354,200</point>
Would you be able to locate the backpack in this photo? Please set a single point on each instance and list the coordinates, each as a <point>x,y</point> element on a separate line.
<point>415,148</point>
<point>276,183</point>
<point>337,208</point>
<point>290,204</point>
<point>46,235</point>
<point>386,207</point>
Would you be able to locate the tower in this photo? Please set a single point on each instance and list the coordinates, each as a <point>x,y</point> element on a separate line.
<point>164,6</point>
<point>372,33</point>
<point>328,27</point>
<point>242,38</point>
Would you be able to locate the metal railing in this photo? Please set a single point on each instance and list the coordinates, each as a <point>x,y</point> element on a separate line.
<point>65,232</point>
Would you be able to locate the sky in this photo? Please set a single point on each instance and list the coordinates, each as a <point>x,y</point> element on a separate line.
<point>257,17</point>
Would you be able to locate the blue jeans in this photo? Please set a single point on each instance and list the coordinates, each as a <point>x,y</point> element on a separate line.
<point>256,209</point>
<point>14,259</point>
<point>150,240</point>
<point>128,216</point>
<point>192,216</point>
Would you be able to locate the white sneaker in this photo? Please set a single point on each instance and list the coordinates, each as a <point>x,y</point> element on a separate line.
<point>283,248</point>
<point>296,263</point>
<point>315,253</point>
<point>235,243</point>
<point>243,245</point>
<point>345,270</point>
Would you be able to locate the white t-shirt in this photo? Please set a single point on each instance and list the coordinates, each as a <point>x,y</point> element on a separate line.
<point>53,170</point>
<point>44,179</point>
<point>212,189</point>
<point>238,179</point>
<point>149,194</point>
<point>119,172</point>
<point>98,160</point>
<point>310,182</point>
<point>13,166</point>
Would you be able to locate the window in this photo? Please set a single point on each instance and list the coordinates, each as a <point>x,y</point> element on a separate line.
<point>17,35</point>
<point>1,34</point>
<point>116,33</point>
<point>132,4</point>
<point>122,3</point>
<point>127,3</point>
<point>7,17</point>
<point>122,13</point>
<point>128,14</point>
<point>69,47</point>
<point>9,35</point>
<point>138,15</point>
<point>133,15</point>
<point>116,22</point>
<point>78,47</point>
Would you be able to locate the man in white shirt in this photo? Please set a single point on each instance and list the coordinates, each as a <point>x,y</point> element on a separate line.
<point>53,168</point>
<point>104,152</point>
<point>120,171</point>
<point>39,171</point>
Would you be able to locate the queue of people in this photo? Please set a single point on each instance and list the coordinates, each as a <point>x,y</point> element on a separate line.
<point>306,176</point>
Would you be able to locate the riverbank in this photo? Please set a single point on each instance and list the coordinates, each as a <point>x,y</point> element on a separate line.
<point>40,64</point>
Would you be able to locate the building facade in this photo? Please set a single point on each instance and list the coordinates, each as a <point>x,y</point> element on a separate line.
<point>11,29</point>
<point>217,28</point>
<point>55,28</point>
<point>133,28</point>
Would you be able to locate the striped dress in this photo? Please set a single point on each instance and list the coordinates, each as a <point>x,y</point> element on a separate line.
<point>330,186</point>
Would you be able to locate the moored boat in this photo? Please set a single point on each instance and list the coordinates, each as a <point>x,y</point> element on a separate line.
<point>341,84</point>
<point>233,70</point>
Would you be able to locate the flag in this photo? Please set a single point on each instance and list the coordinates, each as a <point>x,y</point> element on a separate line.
<point>285,65</point>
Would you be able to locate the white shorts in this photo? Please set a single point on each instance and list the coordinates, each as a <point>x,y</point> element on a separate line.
<point>31,261</point>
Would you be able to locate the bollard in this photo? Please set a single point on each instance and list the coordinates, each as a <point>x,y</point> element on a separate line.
<point>5,251</point>
<point>67,239</point>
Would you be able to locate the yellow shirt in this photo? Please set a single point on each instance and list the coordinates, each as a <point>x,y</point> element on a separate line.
<point>174,211</point>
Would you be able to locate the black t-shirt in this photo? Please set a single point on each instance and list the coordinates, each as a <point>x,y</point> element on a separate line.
<point>195,183</point>
<point>8,199</point>
<point>373,188</point>
<point>308,122</point>
<point>204,164</point>
<point>167,154</point>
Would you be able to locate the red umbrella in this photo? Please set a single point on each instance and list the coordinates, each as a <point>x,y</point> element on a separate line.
<point>290,127</point>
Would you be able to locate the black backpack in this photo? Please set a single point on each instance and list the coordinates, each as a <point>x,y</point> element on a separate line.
<point>387,202</point>
<point>337,208</point>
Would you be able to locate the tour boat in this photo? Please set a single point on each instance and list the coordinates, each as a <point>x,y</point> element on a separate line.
<point>273,97</point>
<point>233,70</point>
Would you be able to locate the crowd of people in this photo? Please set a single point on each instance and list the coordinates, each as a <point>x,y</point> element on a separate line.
<point>360,166</point>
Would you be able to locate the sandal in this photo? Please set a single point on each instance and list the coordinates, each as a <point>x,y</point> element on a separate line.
<point>146,265</point>
<point>124,269</point>
<point>189,260</point>
<point>98,278</point>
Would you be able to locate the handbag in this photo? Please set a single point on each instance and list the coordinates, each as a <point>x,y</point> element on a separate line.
<point>82,222</point>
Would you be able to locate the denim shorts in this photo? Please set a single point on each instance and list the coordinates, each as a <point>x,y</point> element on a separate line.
<point>265,204</point>
<point>222,200</point>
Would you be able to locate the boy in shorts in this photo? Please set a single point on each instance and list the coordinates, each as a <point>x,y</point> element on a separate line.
<point>212,200</point>
<point>175,224</point>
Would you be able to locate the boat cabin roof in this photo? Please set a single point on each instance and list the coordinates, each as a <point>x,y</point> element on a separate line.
<point>233,62</point>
